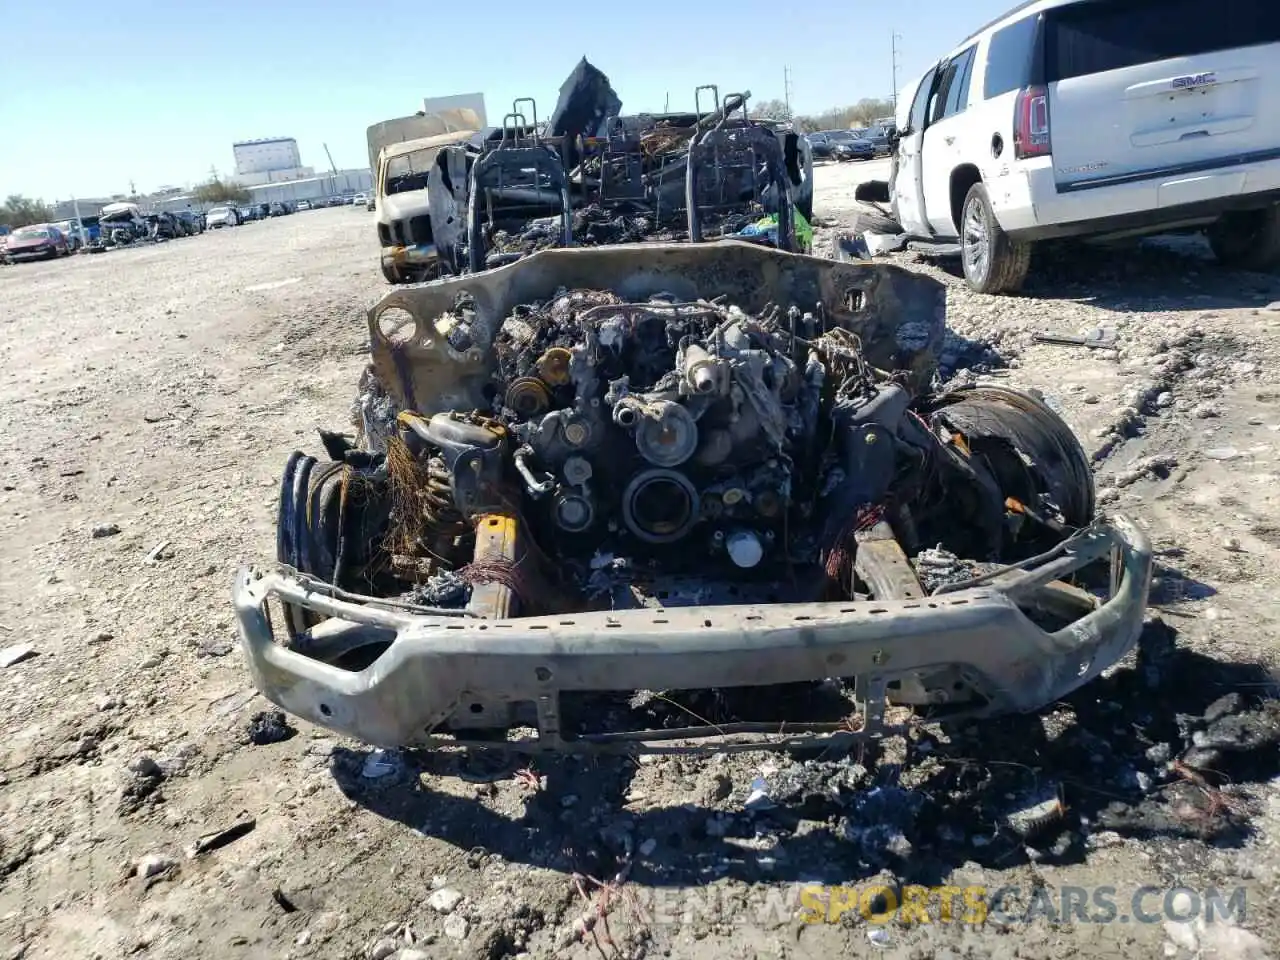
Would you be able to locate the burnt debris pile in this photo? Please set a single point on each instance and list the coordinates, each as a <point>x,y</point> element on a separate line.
<point>1109,763</point>
<point>591,175</point>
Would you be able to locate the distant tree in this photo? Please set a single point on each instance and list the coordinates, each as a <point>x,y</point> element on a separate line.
<point>770,110</point>
<point>20,211</point>
<point>216,191</point>
<point>866,110</point>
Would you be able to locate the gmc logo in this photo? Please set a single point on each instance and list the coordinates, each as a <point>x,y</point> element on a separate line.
<point>1194,80</point>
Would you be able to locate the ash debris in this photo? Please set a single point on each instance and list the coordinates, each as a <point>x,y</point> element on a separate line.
<point>1045,788</point>
<point>141,788</point>
<point>267,727</point>
<point>938,567</point>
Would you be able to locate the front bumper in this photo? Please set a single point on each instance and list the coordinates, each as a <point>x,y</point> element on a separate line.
<point>41,253</point>
<point>445,672</point>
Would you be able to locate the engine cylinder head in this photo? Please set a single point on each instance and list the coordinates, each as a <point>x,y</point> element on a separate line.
<point>660,506</point>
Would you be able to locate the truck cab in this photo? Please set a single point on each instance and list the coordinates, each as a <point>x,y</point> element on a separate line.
<point>402,202</point>
<point>403,153</point>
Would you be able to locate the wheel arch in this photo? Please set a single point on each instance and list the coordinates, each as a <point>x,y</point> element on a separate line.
<point>963,178</point>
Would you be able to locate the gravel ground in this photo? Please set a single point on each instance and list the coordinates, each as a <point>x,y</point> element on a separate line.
<point>150,398</point>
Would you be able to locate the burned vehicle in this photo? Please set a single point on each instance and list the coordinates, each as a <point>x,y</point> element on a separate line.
<point>121,224</point>
<point>587,175</point>
<point>599,494</point>
<point>402,200</point>
<point>591,176</point>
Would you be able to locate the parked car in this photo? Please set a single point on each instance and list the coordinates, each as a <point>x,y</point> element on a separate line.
<point>40,242</point>
<point>360,200</point>
<point>192,221</point>
<point>372,203</point>
<point>222,217</point>
<point>820,145</point>
<point>855,148</point>
<point>71,231</point>
<point>823,142</point>
<point>164,226</point>
<point>304,205</point>
<point>247,214</point>
<point>1067,118</point>
<point>880,139</point>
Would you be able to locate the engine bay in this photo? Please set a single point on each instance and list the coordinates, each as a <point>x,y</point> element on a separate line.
<point>670,452</point>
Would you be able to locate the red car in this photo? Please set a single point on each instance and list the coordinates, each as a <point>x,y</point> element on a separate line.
<point>41,242</point>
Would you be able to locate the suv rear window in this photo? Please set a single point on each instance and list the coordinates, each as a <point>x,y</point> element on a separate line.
<point>1009,58</point>
<point>1086,38</point>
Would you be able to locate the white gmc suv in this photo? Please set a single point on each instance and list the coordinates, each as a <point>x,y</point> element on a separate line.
<point>1097,118</point>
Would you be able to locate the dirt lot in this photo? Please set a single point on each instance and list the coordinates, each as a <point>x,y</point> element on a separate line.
<point>150,398</point>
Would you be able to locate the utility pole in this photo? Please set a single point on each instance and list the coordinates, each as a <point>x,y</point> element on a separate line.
<point>786,87</point>
<point>893,95</point>
<point>331,166</point>
<point>75,208</point>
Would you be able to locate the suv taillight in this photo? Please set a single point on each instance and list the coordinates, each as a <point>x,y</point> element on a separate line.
<point>1031,124</point>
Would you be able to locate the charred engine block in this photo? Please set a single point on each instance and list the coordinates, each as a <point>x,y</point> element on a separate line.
<point>615,451</point>
<point>681,429</point>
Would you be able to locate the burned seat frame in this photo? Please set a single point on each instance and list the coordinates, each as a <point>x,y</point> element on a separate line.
<point>520,162</point>
<point>734,152</point>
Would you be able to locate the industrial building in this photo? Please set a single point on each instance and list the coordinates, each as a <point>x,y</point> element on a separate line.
<point>342,183</point>
<point>262,156</point>
<point>268,160</point>
<point>270,170</point>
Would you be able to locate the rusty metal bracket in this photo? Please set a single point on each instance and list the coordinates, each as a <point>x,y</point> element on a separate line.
<point>883,566</point>
<point>496,545</point>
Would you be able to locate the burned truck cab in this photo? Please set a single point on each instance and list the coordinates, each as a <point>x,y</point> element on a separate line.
<point>409,252</point>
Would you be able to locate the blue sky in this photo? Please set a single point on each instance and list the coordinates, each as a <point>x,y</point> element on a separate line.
<point>100,93</point>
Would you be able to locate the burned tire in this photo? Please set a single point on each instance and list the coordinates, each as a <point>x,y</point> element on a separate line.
<point>392,274</point>
<point>993,261</point>
<point>1031,451</point>
<point>870,218</point>
<point>1247,239</point>
<point>872,191</point>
